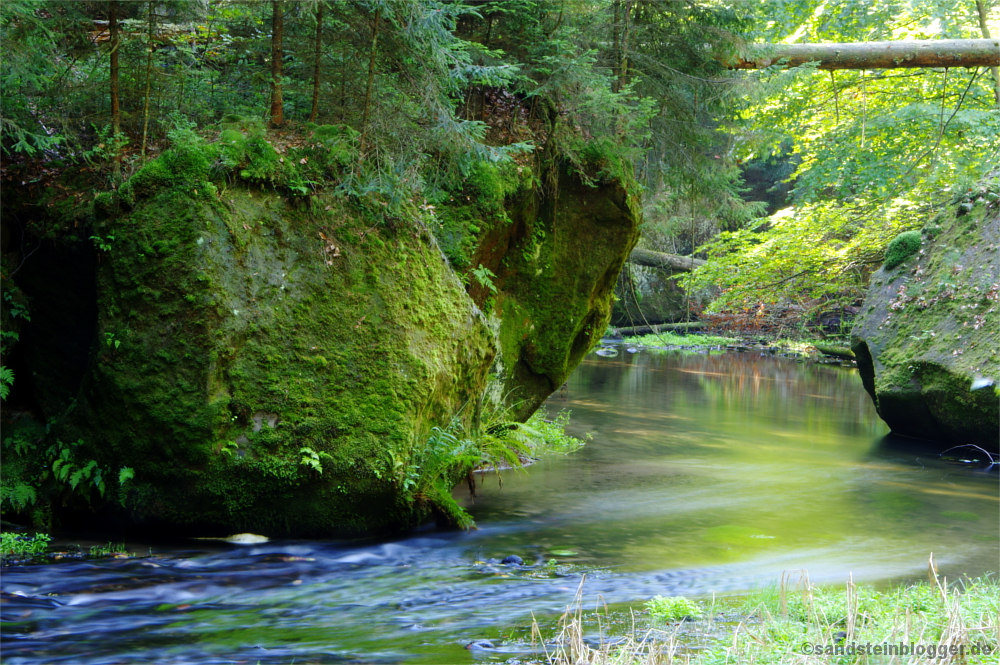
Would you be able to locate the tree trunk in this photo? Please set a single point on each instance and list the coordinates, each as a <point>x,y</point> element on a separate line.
<point>623,62</point>
<point>115,41</point>
<point>632,331</point>
<point>277,57</point>
<point>616,44</point>
<point>673,262</point>
<point>371,77</point>
<point>319,55</point>
<point>981,10</point>
<point>149,76</point>
<point>879,55</point>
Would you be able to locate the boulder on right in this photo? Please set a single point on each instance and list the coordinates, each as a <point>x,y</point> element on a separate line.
<point>926,338</point>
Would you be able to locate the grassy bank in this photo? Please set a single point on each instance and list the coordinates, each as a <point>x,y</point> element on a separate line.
<point>799,623</point>
<point>813,348</point>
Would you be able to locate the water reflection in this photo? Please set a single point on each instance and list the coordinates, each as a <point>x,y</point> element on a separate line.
<point>753,462</point>
<point>707,473</point>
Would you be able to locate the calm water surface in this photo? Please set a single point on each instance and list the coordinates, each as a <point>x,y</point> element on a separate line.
<point>706,474</point>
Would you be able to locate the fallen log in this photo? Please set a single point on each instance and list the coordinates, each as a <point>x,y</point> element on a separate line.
<point>878,55</point>
<point>674,262</point>
<point>835,351</point>
<point>633,331</point>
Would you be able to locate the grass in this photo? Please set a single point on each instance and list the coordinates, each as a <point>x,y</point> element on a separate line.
<point>798,623</point>
<point>103,551</point>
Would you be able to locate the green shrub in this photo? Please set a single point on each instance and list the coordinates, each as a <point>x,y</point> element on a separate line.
<point>672,608</point>
<point>901,248</point>
<point>16,546</point>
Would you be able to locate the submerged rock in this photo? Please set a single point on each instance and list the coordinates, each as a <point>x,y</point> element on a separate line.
<point>926,339</point>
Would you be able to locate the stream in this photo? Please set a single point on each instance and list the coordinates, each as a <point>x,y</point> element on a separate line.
<point>707,473</point>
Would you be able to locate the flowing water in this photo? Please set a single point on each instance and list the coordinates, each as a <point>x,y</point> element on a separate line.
<point>707,473</point>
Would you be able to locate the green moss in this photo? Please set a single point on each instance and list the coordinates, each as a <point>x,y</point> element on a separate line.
<point>245,337</point>
<point>233,147</point>
<point>465,215</point>
<point>902,247</point>
<point>186,165</point>
<point>560,259</point>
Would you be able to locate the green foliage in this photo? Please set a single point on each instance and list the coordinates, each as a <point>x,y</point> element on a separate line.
<point>672,608</point>
<point>432,469</point>
<point>6,381</point>
<point>125,474</point>
<point>550,434</point>
<point>104,551</point>
<point>16,546</point>
<point>312,459</point>
<point>13,313</point>
<point>485,277</point>
<point>66,469</point>
<point>821,252</point>
<point>450,454</point>
<point>902,247</point>
<point>104,244</point>
<point>877,152</point>
<point>19,496</point>
<point>111,342</point>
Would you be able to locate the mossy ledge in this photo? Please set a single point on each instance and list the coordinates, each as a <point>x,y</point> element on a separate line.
<point>925,339</point>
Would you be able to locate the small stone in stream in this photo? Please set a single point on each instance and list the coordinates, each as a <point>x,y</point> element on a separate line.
<point>480,644</point>
<point>513,559</point>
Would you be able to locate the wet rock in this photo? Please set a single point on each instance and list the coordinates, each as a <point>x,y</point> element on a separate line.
<point>512,559</point>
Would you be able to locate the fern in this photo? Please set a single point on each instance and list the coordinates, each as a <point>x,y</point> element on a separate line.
<point>6,381</point>
<point>20,497</point>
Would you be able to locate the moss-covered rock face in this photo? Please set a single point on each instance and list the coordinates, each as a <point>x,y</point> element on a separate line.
<point>926,338</point>
<point>275,368</point>
<point>555,264</point>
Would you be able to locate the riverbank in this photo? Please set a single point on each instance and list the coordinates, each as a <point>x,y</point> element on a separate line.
<point>828,352</point>
<point>796,622</point>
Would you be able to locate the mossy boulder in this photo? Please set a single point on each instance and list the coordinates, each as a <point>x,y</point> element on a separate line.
<point>926,338</point>
<point>275,368</point>
<point>257,358</point>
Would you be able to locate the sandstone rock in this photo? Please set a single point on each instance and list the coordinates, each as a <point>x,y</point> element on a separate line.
<point>927,339</point>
